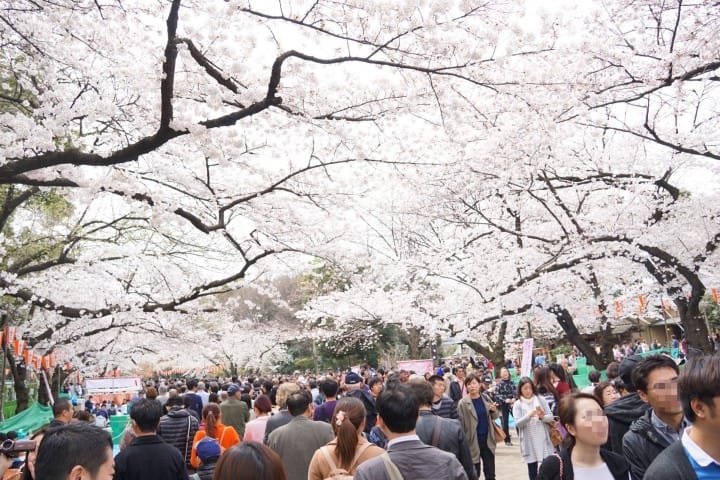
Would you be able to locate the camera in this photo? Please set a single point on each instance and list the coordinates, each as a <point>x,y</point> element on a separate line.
<point>11,448</point>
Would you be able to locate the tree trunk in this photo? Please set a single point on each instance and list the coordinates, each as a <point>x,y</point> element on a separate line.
<point>567,323</point>
<point>495,351</point>
<point>56,378</point>
<point>19,373</point>
<point>696,331</point>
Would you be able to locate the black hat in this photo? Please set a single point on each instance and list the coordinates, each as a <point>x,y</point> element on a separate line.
<point>626,368</point>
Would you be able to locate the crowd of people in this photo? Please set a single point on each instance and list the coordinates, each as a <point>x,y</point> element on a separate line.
<point>648,420</point>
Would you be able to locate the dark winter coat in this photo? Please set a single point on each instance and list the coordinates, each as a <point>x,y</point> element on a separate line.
<point>621,414</point>
<point>550,467</point>
<point>149,458</point>
<point>641,445</point>
<point>671,464</point>
<point>178,429</point>
<point>370,410</point>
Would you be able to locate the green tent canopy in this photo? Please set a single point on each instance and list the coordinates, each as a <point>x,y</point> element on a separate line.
<point>28,420</point>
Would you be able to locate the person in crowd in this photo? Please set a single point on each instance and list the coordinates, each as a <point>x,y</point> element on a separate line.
<point>282,417</point>
<point>594,379</point>
<point>443,433</point>
<point>532,416</point>
<point>62,412</point>
<point>559,379</point>
<point>476,414</point>
<point>202,393</point>
<point>582,458</point>
<point>625,410</point>
<point>324,412</point>
<point>235,412</point>
<point>28,472</point>
<point>545,387</point>
<point>148,457</point>
<point>505,394</point>
<point>178,428</point>
<point>697,455</point>
<point>442,405</point>
<point>195,402</point>
<point>213,427</point>
<point>187,405</point>
<point>356,388</point>
<point>349,448</point>
<point>458,387</point>
<point>656,380</point>
<point>83,416</point>
<point>606,393</point>
<point>407,457</point>
<point>208,451</point>
<point>162,394</point>
<point>297,441</point>
<point>249,461</point>
<point>74,451</point>
<point>376,385</point>
<point>255,429</point>
<point>539,360</point>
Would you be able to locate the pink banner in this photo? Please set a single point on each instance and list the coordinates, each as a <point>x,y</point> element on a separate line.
<point>417,366</point>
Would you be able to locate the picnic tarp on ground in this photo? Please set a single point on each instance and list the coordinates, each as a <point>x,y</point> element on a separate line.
<point>28,420</point>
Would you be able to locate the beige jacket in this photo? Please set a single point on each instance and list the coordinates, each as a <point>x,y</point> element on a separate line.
<point>469,422</point>
<point>320,468</point>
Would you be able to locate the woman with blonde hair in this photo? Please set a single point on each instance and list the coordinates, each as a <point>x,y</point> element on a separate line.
<point>349,448</point>
<point>226,435</point>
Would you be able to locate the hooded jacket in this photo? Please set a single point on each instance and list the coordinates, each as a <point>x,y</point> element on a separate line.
<point>370,410</point>
<point>621,414</point>
<point>641,445</point>
<point>178,429</point>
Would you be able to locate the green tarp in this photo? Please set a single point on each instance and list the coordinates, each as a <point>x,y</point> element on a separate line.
<point>28,420</point>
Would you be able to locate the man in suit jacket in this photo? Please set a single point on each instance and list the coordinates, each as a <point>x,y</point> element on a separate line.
<point>297,441</point>
<point>440,432</point>
<point>397,409</point>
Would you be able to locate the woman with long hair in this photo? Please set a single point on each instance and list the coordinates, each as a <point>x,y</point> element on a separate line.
<point>581,456</point>
<point>212,427</point>
<point>349,448</point>
<point>532,415</point>
<point>545,387</point>
<point>559,379</point>
<point>249,461</point>
<point>255,429</point>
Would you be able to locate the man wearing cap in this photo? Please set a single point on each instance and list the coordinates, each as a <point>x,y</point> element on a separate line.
<point>356,388</point>
<point>208,451</point>
<point>234,411</point>
<point>625,410</point>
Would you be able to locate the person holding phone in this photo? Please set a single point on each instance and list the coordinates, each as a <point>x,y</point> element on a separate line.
<point>532,415</point>
<point>476,414</point>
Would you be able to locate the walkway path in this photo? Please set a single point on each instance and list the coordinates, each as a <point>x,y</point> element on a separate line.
<point>508,464</point>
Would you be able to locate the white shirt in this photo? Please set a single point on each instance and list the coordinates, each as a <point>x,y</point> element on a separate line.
<point>405,438</point>
<point>694,450</point>
<point>601,472</point>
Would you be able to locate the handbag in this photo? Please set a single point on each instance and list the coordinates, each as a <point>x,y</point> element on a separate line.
<point>499,432</point>
<point>555,435</point>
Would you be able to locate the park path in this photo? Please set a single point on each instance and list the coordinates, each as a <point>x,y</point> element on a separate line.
<point>508,464</point>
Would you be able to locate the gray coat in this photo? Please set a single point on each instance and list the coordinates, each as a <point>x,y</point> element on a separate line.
<point>469,421</point>
<point>416,461</point>
<point>450,439</point>
<point>296,443</point>
<point>533,446</point>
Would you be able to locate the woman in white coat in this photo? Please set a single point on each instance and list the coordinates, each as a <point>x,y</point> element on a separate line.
<point>532,417</point>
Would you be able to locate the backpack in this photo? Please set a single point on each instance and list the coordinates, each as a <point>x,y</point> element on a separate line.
<point>337,473</point>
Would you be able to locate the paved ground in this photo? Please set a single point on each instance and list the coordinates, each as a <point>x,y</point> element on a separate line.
<point>508,465</point>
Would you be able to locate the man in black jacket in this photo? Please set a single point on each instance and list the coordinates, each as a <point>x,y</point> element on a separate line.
<point>178,428</point>
<point>148,457</point>
<point>356,388</point>
<point>624,411</point>
<point>656,380</point>
<point>697,454</point>
<point>440,432</point>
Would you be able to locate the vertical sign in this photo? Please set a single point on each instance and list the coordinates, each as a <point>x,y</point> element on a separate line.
<point>527,357</point>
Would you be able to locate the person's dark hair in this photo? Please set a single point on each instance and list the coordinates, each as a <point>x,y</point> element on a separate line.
<point>211,417</point>
<point>245,397</point>
<point>542,381</point>
<point>398,407</point>
<point>249,461</point>
<point>26,475</point>
<point>642,370</point>
<point>423,392</point>
<point>594,376</point>
<point>435,378</point>
<point>523,381</point>
<point>470,377</point>
<point>374,381</point>
<point>567,411</point>
<point>263,404</point>
<point>146,413</point>
<point>559,371</point>
<point>298,402</point>
<point>213,397</point>
<point>192,383</point>
<point>64,447</point>
<point>455,369</point>
<point>60,406</point>
<point>351,419</point>
<point>329,387</point>
<point>612,371</point>
<point>83,416</point>
<point>175,401</point>
<point>700,380</point>
<point>600,388</point>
